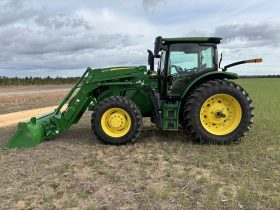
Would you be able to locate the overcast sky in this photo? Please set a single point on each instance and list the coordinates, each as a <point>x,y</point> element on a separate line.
<point>62,38</point>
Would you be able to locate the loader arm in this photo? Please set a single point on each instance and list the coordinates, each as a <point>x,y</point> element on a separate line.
<point>62,121</point>
<point>46,127</point>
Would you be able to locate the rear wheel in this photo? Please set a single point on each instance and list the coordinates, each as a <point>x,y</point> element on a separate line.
<point>116,120</point>
<point>218,111</point>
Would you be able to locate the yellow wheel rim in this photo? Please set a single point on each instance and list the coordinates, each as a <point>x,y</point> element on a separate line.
<point>115,122</point>
<point>220,114</point>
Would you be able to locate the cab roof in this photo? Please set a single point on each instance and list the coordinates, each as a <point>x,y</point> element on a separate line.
<point>215,40</point>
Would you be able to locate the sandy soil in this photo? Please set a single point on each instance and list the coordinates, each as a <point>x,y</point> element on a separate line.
<point>24,90</point>
<point>23,98</point>
<point>15,117</point>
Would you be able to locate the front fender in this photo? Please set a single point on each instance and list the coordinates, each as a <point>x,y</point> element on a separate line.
<point>205,77</point>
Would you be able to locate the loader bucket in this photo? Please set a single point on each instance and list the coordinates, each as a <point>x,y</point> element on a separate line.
<point>29,134</point>
<point>46,127</point>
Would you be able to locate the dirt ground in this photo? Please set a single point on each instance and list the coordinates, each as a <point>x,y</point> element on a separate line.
<point>161,170</point>
<point>29,97</point>
<point>31,89</point>
<point>22,116</point>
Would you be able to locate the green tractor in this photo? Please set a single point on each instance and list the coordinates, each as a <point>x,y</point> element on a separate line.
<point>187,90</point>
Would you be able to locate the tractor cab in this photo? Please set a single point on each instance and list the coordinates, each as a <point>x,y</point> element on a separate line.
<point>181,60</point>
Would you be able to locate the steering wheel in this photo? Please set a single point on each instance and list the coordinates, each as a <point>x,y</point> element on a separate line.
<point>179,69</point>
<point>191,70</point>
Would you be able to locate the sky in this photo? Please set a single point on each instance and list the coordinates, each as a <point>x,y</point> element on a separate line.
<point>62,38</point>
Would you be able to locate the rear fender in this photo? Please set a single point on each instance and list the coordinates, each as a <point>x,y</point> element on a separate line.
<point>206,77</point>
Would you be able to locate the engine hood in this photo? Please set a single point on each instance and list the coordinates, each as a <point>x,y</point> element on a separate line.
<point>114,73</point>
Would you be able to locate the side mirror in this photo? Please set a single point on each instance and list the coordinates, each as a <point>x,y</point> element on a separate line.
<point>151,58</point>
<point>158,46</point>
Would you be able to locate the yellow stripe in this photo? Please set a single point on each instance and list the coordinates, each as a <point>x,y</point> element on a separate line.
<point>114,69</point>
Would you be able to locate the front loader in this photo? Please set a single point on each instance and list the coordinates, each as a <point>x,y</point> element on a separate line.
<point>188,90</point>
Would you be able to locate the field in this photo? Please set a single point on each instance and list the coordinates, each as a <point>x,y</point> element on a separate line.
<point>161,170</point>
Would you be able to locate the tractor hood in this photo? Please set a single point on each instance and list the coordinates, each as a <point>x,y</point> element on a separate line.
<point>115,73</point>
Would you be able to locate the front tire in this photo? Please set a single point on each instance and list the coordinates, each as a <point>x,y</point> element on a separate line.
<point>218,111</point>
<point>116,120</point>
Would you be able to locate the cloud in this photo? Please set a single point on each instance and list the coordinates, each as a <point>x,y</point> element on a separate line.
<point>46,39</point>
<point>13,11</point>
<point>29,41</point>
<point>150,5</point>
<point>39,49</point>
<point>60,20</point>
<point>263,33</point>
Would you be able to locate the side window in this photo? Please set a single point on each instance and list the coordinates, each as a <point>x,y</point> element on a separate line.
<point>182,61</point>
<point>162,61</point>
<point>191,61</point>
<point>206,58</point>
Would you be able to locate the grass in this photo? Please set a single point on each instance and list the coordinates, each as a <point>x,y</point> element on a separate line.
<point>162,170</point>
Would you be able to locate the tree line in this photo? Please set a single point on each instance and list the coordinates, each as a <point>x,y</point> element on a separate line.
<point>17,81</point>
<point>261,76</point>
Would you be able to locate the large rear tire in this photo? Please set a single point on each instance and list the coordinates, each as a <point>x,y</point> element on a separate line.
<point>218,111</point>
<point>116,120</point>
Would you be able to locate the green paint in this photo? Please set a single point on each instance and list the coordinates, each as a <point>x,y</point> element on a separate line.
<point>206,76</point>
<point>28,134</point>
<point>171,116</point>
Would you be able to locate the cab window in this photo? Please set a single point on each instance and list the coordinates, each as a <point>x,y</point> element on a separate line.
<point>190,57</point>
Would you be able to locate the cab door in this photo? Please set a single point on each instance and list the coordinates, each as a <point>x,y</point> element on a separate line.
<point>162,73</point>
<point>186,60</point>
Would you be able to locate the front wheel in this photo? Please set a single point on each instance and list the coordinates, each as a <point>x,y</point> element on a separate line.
<point>218,111</point>
<point>116,120</point>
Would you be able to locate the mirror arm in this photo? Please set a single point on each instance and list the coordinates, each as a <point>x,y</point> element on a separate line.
<point>221,58</point>
<point>257,60</point>
<point>151,60</point>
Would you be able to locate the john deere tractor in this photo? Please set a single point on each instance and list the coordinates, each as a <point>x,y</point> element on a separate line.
<point>186,91</point>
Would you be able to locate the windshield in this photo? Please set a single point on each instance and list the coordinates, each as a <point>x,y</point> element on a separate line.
<point>185,60</point>
<point>191,57</point>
